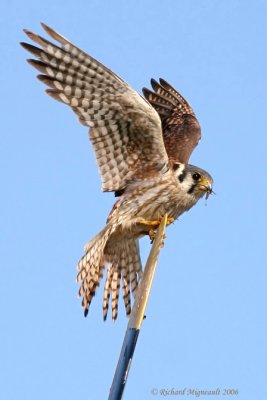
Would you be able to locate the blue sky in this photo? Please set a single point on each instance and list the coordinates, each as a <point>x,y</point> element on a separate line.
<point>207,313</point>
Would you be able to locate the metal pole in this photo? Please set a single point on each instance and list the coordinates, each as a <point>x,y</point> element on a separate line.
<point>136,317</point>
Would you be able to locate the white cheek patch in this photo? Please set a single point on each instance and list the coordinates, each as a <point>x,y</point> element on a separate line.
<point>187,183</point>
<point>181,169</point>
<point>178,169</point>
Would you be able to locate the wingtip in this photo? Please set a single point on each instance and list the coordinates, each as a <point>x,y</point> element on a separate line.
<point>46,27</point>
<point>32,62</point>
<point>155,84</point>
<point>145,91</point>
<point>54,35</point>
<point>28,33</point>
<point>55,95</point>
<point>28,47</point>
<point>23,44</point>
<point>167,85</point>
<point>43,24</point>
<point>163,82</point>
<point>31,49</point>
<point>39,65</point>
<point>43,78</point>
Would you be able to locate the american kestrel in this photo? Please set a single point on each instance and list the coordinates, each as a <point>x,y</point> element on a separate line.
<point>142,147</point>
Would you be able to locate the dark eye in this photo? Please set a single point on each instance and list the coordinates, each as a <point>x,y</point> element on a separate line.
<point>196,176</point>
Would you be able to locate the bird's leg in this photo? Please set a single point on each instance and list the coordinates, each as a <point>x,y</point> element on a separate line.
<point>170,220</point>
<point>163,237</point>
<point>152,235</point>
<point>154,224</point>
<point>153,227</point>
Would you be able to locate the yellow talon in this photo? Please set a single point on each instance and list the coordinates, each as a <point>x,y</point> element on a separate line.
<point>152,235</point>
<point>162,242</point>
<point>153,225</point>
<point>156,223</point>
<point>169,220</point>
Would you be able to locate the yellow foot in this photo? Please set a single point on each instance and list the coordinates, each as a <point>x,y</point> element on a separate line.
<point>162,242</point>
<point>152,224</point>
<point>152,235</point>
<point>169,220</point>
<point>155,223</point>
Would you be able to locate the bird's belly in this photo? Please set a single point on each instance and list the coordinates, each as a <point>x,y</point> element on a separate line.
<point>150,202</point>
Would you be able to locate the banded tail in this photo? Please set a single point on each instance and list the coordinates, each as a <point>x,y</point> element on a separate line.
<point>124,268</point>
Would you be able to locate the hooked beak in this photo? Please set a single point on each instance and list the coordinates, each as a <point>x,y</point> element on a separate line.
<point>206,186</point>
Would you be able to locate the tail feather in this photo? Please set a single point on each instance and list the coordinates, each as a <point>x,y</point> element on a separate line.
<point>135,268</point>
<point>118,270</point>
<point>112,287</point>
<point>126,291</point>
<point>124,265</point>
<point>107,290</point>
<point>122,258</point>
<point>115,288</point>
<point>91,266</point>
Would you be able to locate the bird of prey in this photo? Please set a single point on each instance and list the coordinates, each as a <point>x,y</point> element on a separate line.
<point>142,147</point>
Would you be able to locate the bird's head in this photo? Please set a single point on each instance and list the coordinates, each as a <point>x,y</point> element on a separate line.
<point>193,180</point>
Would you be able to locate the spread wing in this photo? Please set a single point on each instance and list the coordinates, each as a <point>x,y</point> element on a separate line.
<point>181,130</point>
<point>125,130</point>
